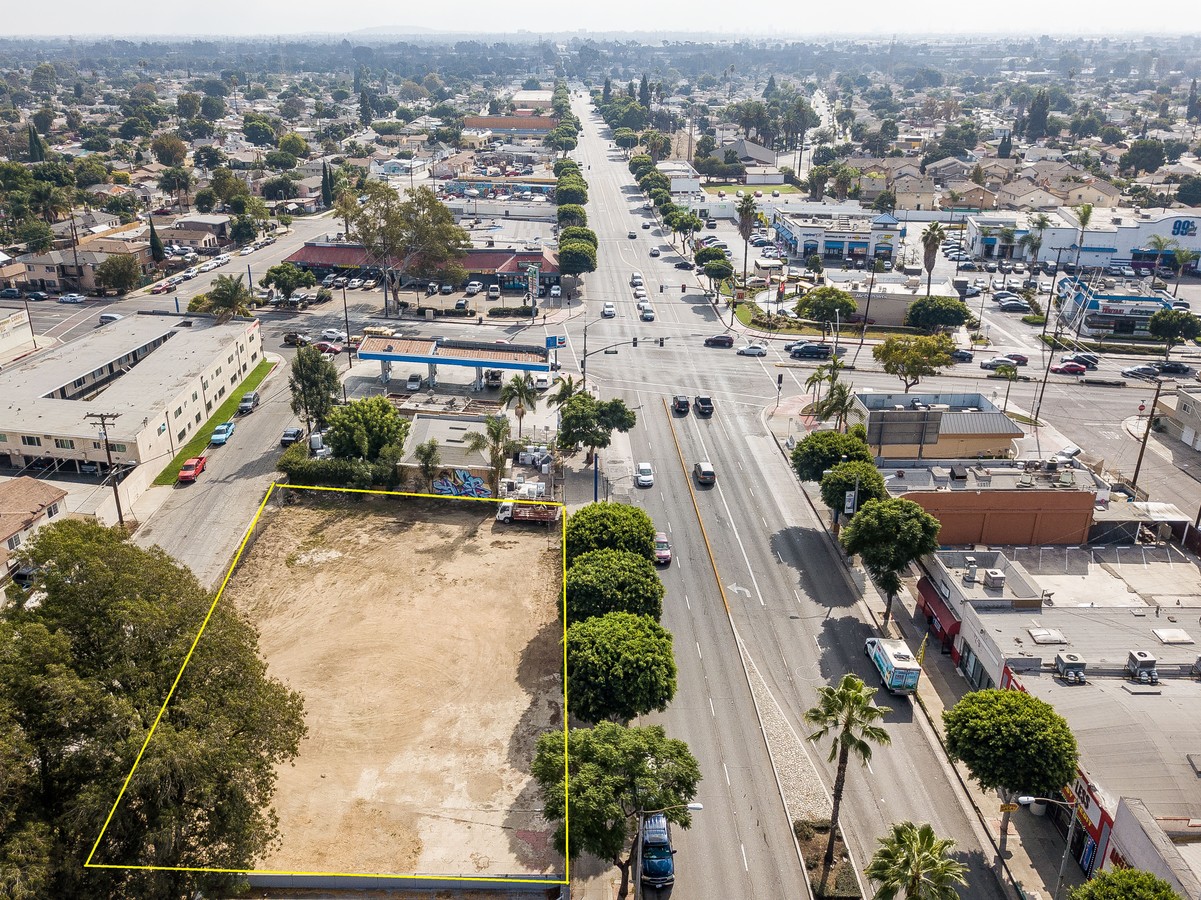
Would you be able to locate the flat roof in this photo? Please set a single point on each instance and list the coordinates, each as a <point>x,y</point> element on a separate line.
<point>952,402</point>
<point>1135,740</point>
<point>26,404</point>
<point>992,475</point>
<point>499,355</point>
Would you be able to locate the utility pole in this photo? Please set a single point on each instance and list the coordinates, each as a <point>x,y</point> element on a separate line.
<point>349,349</point>
<point>105,420</point>
<point>1138,466</point>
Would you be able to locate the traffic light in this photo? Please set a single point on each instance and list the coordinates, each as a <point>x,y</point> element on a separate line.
<point>660,342</point>
<point>635,344</point>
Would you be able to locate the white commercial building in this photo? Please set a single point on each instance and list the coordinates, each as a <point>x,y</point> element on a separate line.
<point>839,237</point>
<point>156,378</point>
<point>684,179</point>
<point>1091,310</point>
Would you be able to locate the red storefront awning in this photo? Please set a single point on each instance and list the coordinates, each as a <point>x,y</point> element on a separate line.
<point>934,605</point>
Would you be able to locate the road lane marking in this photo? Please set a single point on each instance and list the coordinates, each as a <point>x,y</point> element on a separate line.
<point>744,865</point>
<point>712,711</point>
<point>727,771</point>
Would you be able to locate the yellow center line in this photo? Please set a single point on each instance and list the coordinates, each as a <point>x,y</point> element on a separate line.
<point>696,509</point>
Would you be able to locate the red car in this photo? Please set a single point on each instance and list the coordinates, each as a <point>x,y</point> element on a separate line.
<point>192,468</point>
<point>328,347</point>
<point>1068,368</point>
<point>162,287</point>
<point>1018,358</point>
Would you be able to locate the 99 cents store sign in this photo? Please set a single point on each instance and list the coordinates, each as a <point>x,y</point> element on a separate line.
<point>1184,228</point>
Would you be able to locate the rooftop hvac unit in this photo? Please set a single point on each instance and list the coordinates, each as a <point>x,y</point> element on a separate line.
<point>1052,464</point>
<point>1140,665</point>
<point>994,578</point>
<point>1071,666</point>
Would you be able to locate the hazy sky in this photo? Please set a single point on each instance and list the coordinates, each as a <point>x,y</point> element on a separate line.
<point>868,18</point>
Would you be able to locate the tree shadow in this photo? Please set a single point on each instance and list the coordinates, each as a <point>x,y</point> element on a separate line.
<point>807,550</point>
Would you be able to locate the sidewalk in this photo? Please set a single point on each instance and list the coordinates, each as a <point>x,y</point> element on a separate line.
<point>1034,849</point>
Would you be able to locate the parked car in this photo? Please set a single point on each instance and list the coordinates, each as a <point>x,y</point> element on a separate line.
<point>493,291</point>
<point>415,381</point>
<point>71,298</point>
<point>10,294</point>
<point>644,475</point>
<point>1068,368</point>
<point>997,361</point>
<point>248,403</point>
<point>1144,372</point>
<point>328,281</point>
<point>297,339</point>
<point>189,471</point>
<point>962,356</point>
<point>703,404</point>
<point>753,350</point>
<point>354,284</point>
<point>662,549</point>
<point>163,287</point>
<point>1015,306</point>
<point>329,347</point>
<point>683,264</point>
<point>333,334</point>
<point>473,288</point>
<point>704,473</point>
<point>37,295</point>
<point>291,436</point>
<point>222,433</point>
<point>680,404</point>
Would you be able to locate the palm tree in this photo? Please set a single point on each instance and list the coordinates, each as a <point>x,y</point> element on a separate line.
<point>48,201</point>
<point>428,460</point>
<point>1084,215</point>
<point>1033,239</point>
<point>1010,374</point>
<point>912,864</point>
<point>1007,235</point>
<point>932,239</point>
<point>1184,259</point>
<point>745,210</point>
<point>847,714</point>
<point>837,404</point>
<point>1160,245</point>
<point>821,375</point>
<point>228,297</point>
<point>497,440</point>
<point>566,387</point>
<point>520,390</point>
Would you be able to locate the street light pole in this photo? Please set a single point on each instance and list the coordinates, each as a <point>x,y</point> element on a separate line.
<point>28,319</point>
<point>346,318</point>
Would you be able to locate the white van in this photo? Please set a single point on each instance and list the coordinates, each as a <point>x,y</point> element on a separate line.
<point>109,318</point>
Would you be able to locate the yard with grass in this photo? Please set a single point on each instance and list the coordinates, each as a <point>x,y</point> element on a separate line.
<point>223,413</point>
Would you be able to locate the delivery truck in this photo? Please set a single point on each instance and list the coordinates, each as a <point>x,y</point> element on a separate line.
<point>527,512</point>
<point>898,668</point>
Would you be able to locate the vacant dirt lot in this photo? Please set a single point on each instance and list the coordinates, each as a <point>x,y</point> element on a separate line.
<point>425,639</point>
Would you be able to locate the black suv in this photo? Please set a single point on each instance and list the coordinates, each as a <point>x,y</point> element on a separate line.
<point>720,340</point>
<point>679,404</point>
<point>815,351</point>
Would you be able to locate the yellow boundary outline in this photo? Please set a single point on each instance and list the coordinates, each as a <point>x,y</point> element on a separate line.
<point>88,864</point>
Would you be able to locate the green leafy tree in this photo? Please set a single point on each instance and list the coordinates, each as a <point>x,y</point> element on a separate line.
<point>120,272</point>
<point>176,180</point>
<point>36,235</point>
<point>613,775</point>
<point>1012,743</point>
<point>571,214</point>
<point>571,190</point>
<point>913,358</point>
<point>363,428</point>
<point>43,120</point>
<point>169,149</point>
<point>932,239</point>
<point>205,200</point>
<point>912,863</point>
<point>577,257</point>
<point>619,666</point>
<point>37,147</point>
<point>243,230</point>
<point>612,580</point>
<point>519,390</point>
<point>846,715</point>
<point>1173,326</point>
<point>718,270</point>
<point>570,235</point>
<point>83,675</point>
<point>287,278</point>
<point>609,526</point>
<point>888,535</point>
<point>591,422</point>
<point>934,313</point>
<point>1143,156</point>
<point>315,386</point>
<point>852,477</point>
<point>429,460</point>
<point>497,441</point>
<point>1124,884</point>
<point>294,144</point>
<point>823,450</point>
<point>187,106</point>
<point>826,304</point>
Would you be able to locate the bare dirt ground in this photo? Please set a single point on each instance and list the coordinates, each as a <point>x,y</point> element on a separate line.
<point>425,639</point>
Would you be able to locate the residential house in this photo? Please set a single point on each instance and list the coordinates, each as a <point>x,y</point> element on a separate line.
<point>915,192</point>
<point>968,195</point>
<point>998,171</point>
<point>192,238</point>
<point>1094,191</point>
<point>26,504</point>
<point>63,270</point>
<point>949,169</point>
<point>309,187</point>
<point>216,224</point>
<point>89,222</point>
<point>1025,194</point>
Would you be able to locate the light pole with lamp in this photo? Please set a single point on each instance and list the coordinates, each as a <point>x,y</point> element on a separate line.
<point>1063,862</point>
<point>641,815</point>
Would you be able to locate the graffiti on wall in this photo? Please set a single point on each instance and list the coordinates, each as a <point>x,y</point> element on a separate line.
<point>461,483</point>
